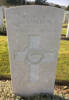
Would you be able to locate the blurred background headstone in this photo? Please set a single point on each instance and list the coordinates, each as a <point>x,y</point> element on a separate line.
<point>67,35</point>
<point>1,16</point>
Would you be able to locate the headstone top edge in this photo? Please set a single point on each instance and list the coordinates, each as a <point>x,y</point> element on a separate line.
<point>23,6</point>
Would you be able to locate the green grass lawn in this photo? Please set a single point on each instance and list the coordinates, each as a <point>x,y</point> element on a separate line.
<point>4,58</point>
<point>64,29</point>
<point>63,59</point>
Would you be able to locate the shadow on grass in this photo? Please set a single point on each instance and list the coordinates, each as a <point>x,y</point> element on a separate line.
<point>63,37</point>
<point>41,97</point>
<point>5,77</point>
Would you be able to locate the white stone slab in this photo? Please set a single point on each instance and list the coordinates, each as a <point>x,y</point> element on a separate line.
<point>33,34</point>
<point>67,35</point>
<point>1,16</point>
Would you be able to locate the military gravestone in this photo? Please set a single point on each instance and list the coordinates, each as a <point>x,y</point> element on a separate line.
<point>67,35</point>
<point>33,35</point>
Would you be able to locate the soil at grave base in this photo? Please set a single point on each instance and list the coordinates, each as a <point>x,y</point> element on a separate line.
<point>7,94</point>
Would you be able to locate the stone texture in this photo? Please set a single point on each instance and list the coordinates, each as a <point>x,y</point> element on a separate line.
<point>67,35</point>
<point>1,16</point>
<point>33,36</point>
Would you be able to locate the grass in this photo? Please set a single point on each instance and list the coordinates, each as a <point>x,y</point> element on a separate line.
<point>63,59</point>
<point>64,29</point>
<point>4,57</point>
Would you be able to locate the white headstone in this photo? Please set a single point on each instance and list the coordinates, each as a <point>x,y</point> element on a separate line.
<point>67,35</point>
<point>33,34</point>
<point>66,17</point>
<point>1,16</point>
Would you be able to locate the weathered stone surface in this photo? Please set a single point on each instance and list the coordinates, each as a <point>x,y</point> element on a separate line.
<point>1,16</point>
<point>33,34</point>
